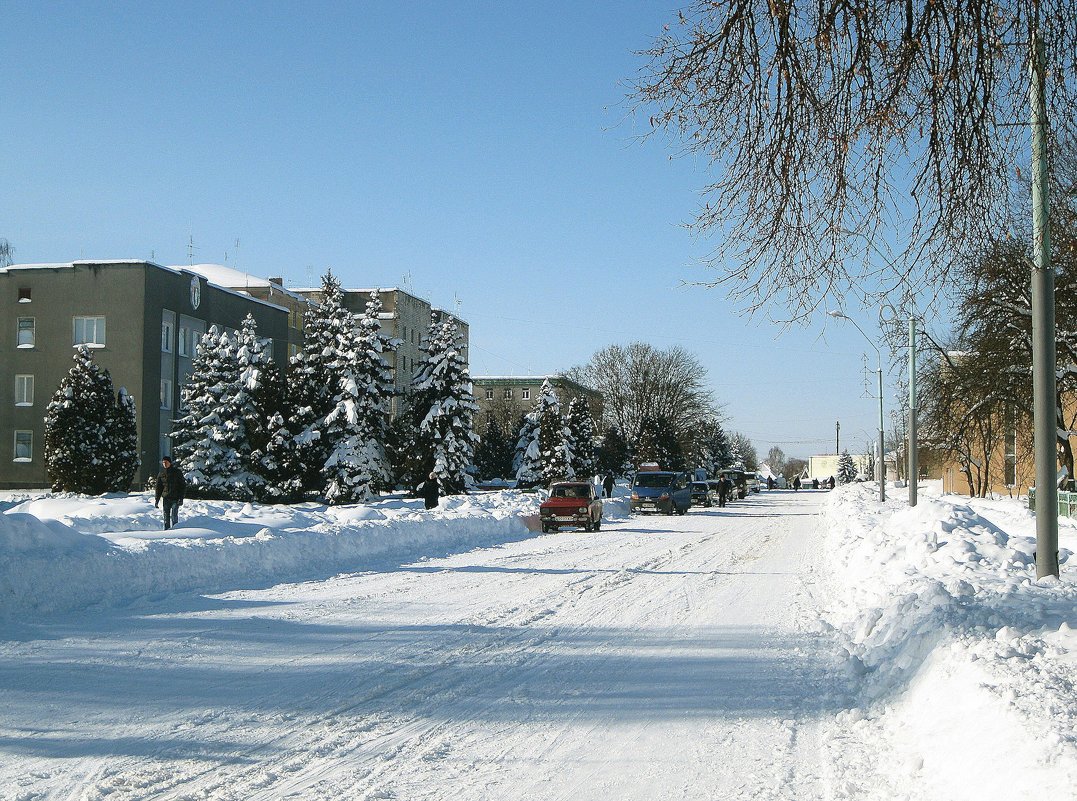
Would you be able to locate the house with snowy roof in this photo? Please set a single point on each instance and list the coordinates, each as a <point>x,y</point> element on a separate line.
<point>142,321</point>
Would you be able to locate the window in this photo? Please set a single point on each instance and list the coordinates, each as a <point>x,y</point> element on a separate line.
<point>90,331</point>
<point>525,393</point>
<point>508,393</point>
<point>24,294</point>
<point>166,393</point>
<point>24,446</point>
<point>489,394</point>
<point>27,330</point>
<point>166,336</point>
<point>24,390</point>
<point>184,338</point>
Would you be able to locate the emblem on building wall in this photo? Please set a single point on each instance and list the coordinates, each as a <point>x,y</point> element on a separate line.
<point>196,292</point>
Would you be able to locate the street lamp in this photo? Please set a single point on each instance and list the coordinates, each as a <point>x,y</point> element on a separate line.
<point>880,462</point>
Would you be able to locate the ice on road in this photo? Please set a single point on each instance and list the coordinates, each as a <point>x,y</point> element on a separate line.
<point>661,658</point>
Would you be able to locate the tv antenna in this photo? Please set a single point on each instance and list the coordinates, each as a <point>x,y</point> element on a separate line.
<point>190,249</point>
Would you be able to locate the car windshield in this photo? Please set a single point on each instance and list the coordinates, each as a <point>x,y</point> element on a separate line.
<point>696,487</point>
<point>570,492</point>
<point>654,480</point>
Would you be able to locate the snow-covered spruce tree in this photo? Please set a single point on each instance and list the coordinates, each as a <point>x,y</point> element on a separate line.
<point>357,465</point>
<point>123,458</point>
<point>713,452</point>
<point>87,442</point>
<point>581,427</point>
<point>402,448</point>
<point>260,404</point>
<point>443,397</point>
<point>209,437</point>
<point>527,461</point>
<point>314,379</point>
<point>846,468</point>
<point>555,453</point>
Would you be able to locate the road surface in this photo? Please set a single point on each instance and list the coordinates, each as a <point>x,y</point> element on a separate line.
<point>661,658</point>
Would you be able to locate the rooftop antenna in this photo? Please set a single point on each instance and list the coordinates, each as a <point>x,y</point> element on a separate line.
<point>235,261</point>
<point>456,304</point>
<point>310,275</point>
<point>190,249</point>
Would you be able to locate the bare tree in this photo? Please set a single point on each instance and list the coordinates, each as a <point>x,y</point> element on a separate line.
<point>827,122</point>
<point>7,253</point>
<point>640,383</point>
<point>776,460</point>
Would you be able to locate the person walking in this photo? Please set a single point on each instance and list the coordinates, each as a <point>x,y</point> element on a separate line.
<point>796,484</point>
<point>430,491</point>
<point>607,485</point>
<point>171,485</point>
<point>724,485</point>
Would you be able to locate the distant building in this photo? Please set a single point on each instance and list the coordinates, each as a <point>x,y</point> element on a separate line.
<point>405,317</point>
<point>142,321</point>
<point>824,466</point>
<point>508,397</point>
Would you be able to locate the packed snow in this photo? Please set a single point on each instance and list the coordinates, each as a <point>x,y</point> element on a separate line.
<point>794,646</point>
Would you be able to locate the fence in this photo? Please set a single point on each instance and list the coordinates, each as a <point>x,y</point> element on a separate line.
<point>1067,503</point>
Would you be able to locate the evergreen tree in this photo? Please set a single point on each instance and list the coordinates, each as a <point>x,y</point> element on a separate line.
<point>123,460</point>
<point>657,442</point>
<point>581,427</point>
<point>402,449</point>
<point>493,456</point>
<point>88,445</point>
<point>443,396</point>
<point>614,454</point>
<point>209,437</point>
<point>314,381</point>
<point>358,466</point>
<point>259,402</point>
<point>526,461</point>
<point>714,452</point>
<point>555,453</point>
<point>846,468</point>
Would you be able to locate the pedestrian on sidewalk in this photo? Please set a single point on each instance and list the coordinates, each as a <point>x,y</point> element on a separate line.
<point>171,485</point>
<point>607,485</point>
<point>796,484</point>
<point>724,486</point>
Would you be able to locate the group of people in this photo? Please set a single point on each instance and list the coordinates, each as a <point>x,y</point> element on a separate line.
<point>815,483</point>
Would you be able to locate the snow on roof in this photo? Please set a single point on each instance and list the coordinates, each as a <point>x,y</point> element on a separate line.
<point>232,278</point>
<point>70,265</point>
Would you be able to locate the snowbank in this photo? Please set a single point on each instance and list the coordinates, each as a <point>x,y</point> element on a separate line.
<point>68,552</point>
<point>968,663</point>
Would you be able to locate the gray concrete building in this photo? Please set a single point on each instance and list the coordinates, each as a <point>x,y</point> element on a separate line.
<point>142,321</point>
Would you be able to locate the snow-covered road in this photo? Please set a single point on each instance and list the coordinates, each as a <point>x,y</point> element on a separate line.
<point>663,657</point>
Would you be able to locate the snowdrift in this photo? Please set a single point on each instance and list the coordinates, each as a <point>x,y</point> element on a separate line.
<point>967,663</point>
<point>65,553</point>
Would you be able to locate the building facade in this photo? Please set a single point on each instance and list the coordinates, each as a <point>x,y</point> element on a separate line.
<point>509,397</point>
<point>142,321</point>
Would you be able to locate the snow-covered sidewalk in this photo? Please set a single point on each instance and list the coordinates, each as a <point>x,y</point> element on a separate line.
<point>968,664</point>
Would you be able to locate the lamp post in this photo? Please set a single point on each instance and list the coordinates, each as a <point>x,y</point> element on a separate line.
<point>880,462</point>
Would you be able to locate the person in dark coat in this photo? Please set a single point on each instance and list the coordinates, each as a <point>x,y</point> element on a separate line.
<point>796,484</point>
<point>429,490</point>
<point>170,486</point>
<point>607,485</point>
<point>724,486</point>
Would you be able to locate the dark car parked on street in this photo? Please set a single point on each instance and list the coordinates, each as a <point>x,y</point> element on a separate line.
<point>702,494</point>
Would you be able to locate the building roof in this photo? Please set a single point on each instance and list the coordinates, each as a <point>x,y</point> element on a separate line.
<point>232,278</point>
<point>71,265</point>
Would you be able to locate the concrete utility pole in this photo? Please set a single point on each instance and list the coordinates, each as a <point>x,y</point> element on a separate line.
<point>1044,388</point>
<point>880,461</point>
<point>914,462</point>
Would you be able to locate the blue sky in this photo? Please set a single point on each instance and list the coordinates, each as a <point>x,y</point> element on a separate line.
<point>482,150</point>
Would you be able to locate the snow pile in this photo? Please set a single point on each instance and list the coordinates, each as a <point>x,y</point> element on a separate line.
<point>69,552</point>
<point>968,663</point>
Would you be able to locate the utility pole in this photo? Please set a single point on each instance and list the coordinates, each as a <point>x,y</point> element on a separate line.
<point>1043,328</point>
<point>914,464</point>
<point>837,437</point>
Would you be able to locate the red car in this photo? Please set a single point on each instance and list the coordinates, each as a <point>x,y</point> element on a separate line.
<point>572,504</point>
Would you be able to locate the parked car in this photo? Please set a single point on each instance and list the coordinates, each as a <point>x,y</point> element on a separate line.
<point>740,481</point>
<point>661,491</point>
<point>752,482</point>
<point>572,504</point>
<point>702,494</point>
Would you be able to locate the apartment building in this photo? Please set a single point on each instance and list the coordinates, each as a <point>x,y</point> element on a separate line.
<point>508,397</point>
<point>141,319</point>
